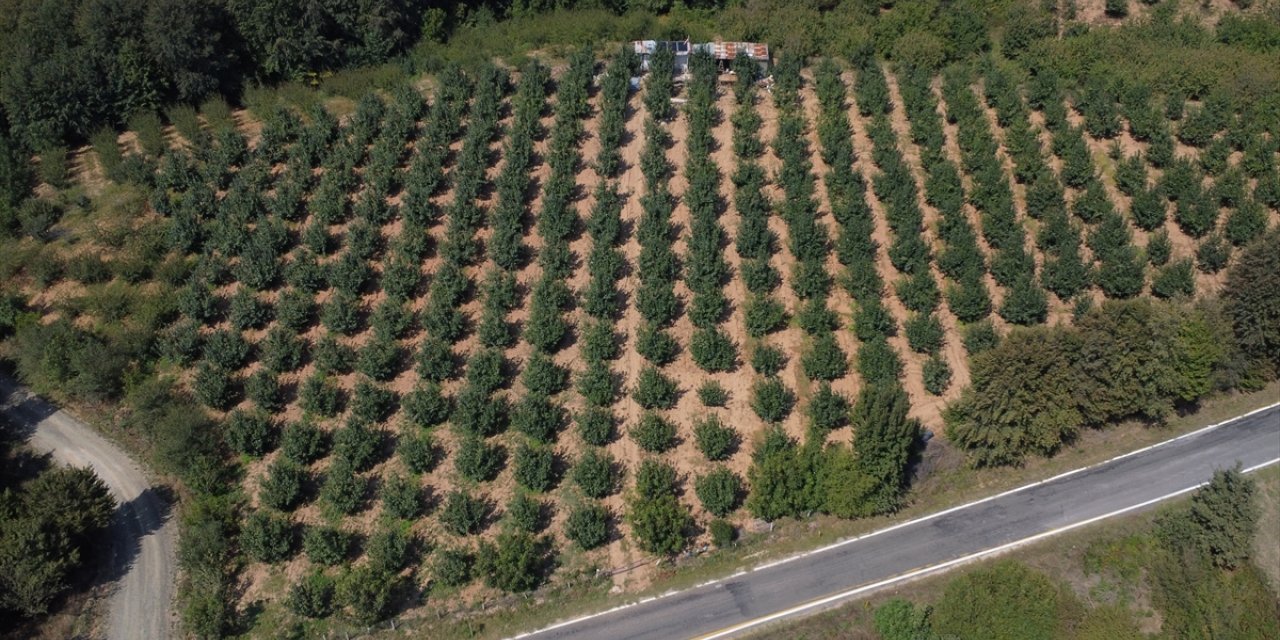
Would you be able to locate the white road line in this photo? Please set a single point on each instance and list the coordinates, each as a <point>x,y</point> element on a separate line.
<point>916,573</point>
<point>908,523</point>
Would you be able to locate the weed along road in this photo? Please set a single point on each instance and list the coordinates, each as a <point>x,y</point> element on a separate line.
<point>141,561</point>
<point>809,582</point>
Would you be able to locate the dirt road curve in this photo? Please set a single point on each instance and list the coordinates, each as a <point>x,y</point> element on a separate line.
<point>143,536</point>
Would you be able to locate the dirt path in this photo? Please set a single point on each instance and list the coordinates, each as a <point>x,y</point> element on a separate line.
<point>951,147</point>
<point>142,535</point>
<point>952,350</point>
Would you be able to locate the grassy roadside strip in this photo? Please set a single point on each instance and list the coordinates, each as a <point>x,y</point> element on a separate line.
<point>951,483</point>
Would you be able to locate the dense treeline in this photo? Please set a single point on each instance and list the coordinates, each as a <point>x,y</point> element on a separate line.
<point>153,52</point>
<point>51,524</point>
<point>1126,359</point>
<point>161,51</point>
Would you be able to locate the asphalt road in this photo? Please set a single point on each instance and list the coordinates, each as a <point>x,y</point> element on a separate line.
<point>803,584</point>
<point>142,535</point>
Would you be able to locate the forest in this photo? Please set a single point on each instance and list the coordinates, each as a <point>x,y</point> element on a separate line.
<point>514,321</point>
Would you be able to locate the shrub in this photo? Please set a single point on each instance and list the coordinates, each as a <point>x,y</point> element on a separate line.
<point>937,375</point>
<point>924,333</point>
<point>53,168</point>
<point>514,562</point>
<point>599,342</point>
<point>373,403</point>
<point>827,409</point>
<point>426,405</point>
<point>1213,253</point>
<point>401,497</point>
<point>723,533</point>
<point>981,337</point>
<point>654,433</point>
<point>969,300</point>
<point>712,394</point>
<point>435,361</point>
<point>1004,601</point>
<point>485,370</point>
<point>389,549</point>
<point>226,349</point>
<point>872,319</point>
<point>343,490</point>
<point>478,461</point>
<point>263,388</point>
<point>1159,248</point>
<point>598,385</point>
<point>332,356</point>
<point>768,360</point>
<point>326,545</point>
<point>654,390</point>
<point>898,619</point>
<point>919,292</point>
<point>526,513</point>
<point>181,341</point>
<point>464,514</point>
<point>283,485</point>
<point>596,425</point>
<point>763,315</point>
<point>250,432</point>
<point>655,478</point>
<point>303,442</point>
<point>656,345</point>
<point>452,567</point>
<point>535,467</point>
<point>719,491</point>
<point>1026,303</point>
<point>341,314</point>
<point>366,593</point>
<point>588,526</point>
<point>660,525</point>
<point>356,443</point>
<point>319,395</point>
<point>542,376</point>
<point>715,440</point>
<point>1177,279</point>
<point>266,537</point>
<point>771,399</point>
<point>816,319</point>
<point>878,362</point>
<point>596,474</point>
<point>1246,223</point>
<point>247,311</point>
<point>418,452</point>
<point>312,596</point>
<point>1148,209</point>
<point>713,350</point>
<point>825,360</point>
<point>538,417</point>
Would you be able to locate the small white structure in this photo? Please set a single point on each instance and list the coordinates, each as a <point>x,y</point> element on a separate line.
<point>723,52</point>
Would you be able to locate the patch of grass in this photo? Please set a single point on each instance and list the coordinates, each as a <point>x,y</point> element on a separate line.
<point>1267,543</point>
<point>217,113</point>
